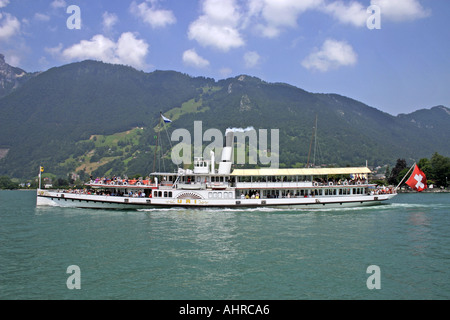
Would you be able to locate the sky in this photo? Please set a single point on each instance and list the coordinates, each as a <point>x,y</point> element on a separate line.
<point>392,55</point>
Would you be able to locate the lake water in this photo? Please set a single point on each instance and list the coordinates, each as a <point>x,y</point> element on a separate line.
<point>271,254</point>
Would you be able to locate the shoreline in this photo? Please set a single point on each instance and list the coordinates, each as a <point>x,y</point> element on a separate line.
<point>434,190</point>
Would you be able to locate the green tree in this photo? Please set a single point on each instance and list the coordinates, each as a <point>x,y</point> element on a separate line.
<point>6,183</point>
<point>394,177</point>
<point>441,169</point>
<point>61,182</point>
<point>425,165</point>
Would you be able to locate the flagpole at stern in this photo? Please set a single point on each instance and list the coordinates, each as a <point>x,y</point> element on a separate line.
<point>157,139</point>
<point>41,169</point>
<point>413,166</point>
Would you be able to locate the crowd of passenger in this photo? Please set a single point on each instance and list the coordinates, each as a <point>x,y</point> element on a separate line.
<point>383,190</point>
<point>121,181</point>
<point>340,182</point>
<point>130,194</point>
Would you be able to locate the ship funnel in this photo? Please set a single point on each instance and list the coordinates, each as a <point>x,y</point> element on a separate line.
<point>229,136</point>
<point>227,152</point>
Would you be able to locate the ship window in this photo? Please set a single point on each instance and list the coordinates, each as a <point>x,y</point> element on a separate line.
<point>155,194</point>
<point>159,194</point>
<point>170,194</point>
<point>165,194</point>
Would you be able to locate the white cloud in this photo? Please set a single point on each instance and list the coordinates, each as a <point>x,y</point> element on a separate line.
<point>401,10</point>
<point>225,71</point>
<point>268,31</point>
<point>271,17</point>
<point>9,26</point>
<point>156,18</point>
<point>353,13</point>
<point>286,12</point>
<point>41,17</point>
<point>128,50</point>
<point>251,59</point>
<point>218,27</point>
<point>131,51</point>
<point>333,54</point>
<point>55,51</point>
<point>13,60</point>
<point>278,14</point>
<point>58,4</point>
<point>109,20</point>
<point>98,48</point>
<point>4,3</point>
<point>191,58</point>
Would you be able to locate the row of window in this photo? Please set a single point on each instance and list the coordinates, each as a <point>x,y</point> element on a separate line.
<point>160,194</point>
<point>269,193</point>
<point>220,195</point>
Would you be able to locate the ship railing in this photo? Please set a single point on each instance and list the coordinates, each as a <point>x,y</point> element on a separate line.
<point>272,185</point>
<point>122,183</point>
<point>297,184</point>
<point>340,183</point>
<point>218,185</point>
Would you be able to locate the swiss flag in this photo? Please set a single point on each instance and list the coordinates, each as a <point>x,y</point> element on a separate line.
<point>417,180</point>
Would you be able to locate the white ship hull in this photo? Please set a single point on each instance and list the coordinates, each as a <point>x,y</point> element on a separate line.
<point>59,199</point>
<point>206,187</point>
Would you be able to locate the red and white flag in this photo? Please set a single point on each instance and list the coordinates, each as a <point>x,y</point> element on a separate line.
<point>417,181</point>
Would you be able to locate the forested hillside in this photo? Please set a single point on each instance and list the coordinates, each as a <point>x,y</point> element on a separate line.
<point>65,119</point>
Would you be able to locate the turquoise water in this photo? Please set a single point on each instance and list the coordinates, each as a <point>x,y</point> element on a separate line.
<point>226,254</point>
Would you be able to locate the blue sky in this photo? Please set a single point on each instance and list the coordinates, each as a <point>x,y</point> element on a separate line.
<point>322,46</point>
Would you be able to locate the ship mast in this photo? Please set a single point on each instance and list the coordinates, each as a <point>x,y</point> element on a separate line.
<point>313,138</point>
<point>157,139</point>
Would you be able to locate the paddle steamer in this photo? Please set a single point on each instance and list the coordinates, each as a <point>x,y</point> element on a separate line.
<point>209,186</point>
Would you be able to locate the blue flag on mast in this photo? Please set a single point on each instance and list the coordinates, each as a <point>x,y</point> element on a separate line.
<point>166,120</point>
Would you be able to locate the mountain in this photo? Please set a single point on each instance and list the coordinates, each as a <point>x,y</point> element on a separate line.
<point>11,77</point>
<point>42,121</point>
<point>96,118</point>
<point>434,121</point>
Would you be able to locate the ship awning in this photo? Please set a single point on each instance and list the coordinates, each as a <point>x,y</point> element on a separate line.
<point>299,171</point>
